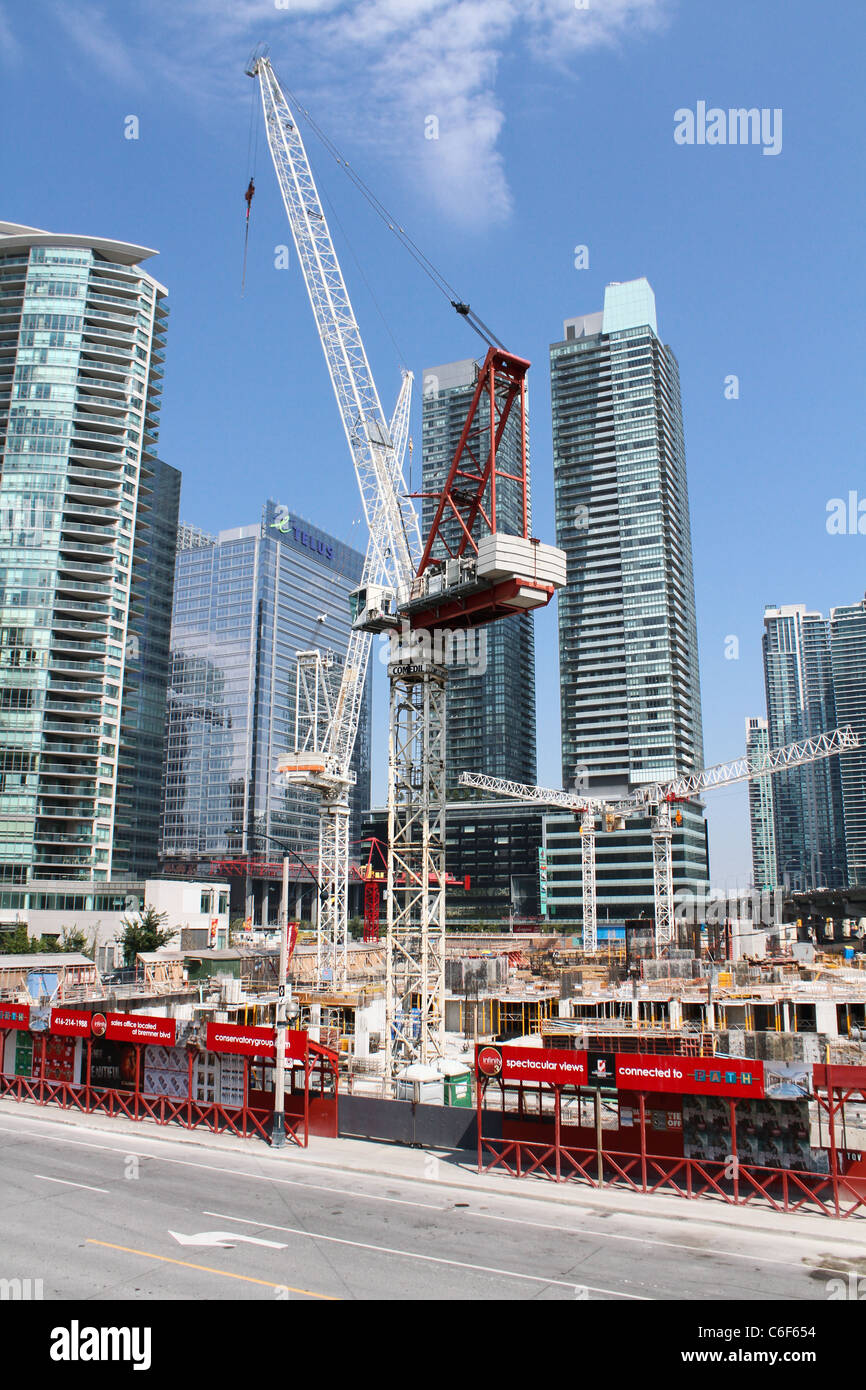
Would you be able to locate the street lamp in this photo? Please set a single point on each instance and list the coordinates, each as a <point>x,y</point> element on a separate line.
<point>278,1132</point>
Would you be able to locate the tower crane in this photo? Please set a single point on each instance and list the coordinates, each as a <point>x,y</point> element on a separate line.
<point>406,588</point>
<point>655,800</point>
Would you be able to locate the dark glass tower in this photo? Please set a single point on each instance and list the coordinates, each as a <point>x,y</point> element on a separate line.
<point>848,658</point>
<point>807,802</point>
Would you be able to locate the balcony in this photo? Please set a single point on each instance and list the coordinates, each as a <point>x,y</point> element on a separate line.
<point>83,750</point>
<point>100,609</point>
<point>92,417</point>
<point>75,625</point>
<point>83,548</point>
<point>77,452</point>
<point>71,667</point>
<point>82,708</point>
<point>70,729</point>
<point>78,471</point>
<point>48,788</point>
<point>69,579</point>
<point>98,364</point>
<point>84,384</point>
<point>103,526</point>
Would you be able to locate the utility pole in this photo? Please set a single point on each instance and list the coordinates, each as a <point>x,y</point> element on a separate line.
<point>278,1133</point>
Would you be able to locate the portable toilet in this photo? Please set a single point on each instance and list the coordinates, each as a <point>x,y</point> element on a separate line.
<point>457,1078</point>
<point>422,1084</point>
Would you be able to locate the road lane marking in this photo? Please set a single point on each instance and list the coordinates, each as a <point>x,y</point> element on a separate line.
<point>588,1212</point>
<point>431,1259</point>
<point>224,1239</point>
<point>67,1183</point>
<point>206,1269</point>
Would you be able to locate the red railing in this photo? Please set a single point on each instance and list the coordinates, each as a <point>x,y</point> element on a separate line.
<point>738,1184</point>
<point>190,1114</point>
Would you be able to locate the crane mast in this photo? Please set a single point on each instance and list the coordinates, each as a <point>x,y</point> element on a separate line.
<point>324,746</point>
<point>655,800</point>
<point>490,576</point>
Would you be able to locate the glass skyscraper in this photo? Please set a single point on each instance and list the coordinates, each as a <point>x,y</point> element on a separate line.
<point>246,602</point>
<point>761,810</point>
<point>848,661</point>
<point>630,686</point>
<point>490,711</point>
<point>87,535</point>
<point>807,802</point>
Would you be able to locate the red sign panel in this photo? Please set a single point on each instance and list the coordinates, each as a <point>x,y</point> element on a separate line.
<point>558,1065</point>
<point>14,1015</point>
<point>628,1071</point>
<point>140,1028</point>
<point>694,1076</point>
<point>70,1023</point>
<point>254,1042</point>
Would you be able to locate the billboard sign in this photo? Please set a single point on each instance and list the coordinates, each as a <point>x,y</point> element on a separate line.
<point>138,1028</point>
<point>561,1066</point>
<point>254,1042</point>
<point>696,1076</point>
<point>71,1023</point>
<point>14,1016</point>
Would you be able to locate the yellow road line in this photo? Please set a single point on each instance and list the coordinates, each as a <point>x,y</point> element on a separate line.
<point>207,1269</point>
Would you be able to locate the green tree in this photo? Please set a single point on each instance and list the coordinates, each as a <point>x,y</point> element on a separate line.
<point>143,933</point>
<point>75,941</point>
<point>17,942</point>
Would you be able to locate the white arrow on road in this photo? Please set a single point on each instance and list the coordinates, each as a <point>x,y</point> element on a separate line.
<point>224,1238</point>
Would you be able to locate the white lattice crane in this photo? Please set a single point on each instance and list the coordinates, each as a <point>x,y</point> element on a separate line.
<point>482,575</point>
<point>655,800</point>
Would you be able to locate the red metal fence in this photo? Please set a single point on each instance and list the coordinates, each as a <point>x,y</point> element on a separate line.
<point>243,1120</point>
<point>737,1184</point>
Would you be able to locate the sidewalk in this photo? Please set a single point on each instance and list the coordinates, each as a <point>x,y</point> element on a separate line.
<point>457,1171</point>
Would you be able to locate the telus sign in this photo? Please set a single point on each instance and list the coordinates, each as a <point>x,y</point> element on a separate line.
<point>283,523</point>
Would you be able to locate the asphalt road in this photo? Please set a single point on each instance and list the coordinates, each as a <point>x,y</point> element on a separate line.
<point>103,1216</point>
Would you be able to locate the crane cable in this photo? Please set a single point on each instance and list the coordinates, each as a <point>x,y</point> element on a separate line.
<point>251,187</point>
<point>401,234</point>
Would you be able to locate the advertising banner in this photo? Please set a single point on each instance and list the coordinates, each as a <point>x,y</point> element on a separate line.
<point>255,1042</point>
<point>14,1015</point>
<point>136,1028</point>
<point>128,1028</point>
<point>70,1023</point>
<point>697,1076</point>
<point>625,1071</point>
<point>559,1065</point>
<point>112,1066</point>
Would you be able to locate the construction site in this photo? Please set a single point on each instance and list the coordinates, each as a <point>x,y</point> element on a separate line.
<point>659,1046</point>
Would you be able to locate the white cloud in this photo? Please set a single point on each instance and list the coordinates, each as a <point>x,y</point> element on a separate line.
<point>10,48</point>
<point>386,65</point>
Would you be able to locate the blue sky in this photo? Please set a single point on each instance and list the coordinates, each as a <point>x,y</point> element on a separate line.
<point>556,129</point>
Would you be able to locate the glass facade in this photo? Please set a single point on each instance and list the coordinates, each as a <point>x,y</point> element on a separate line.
<point>630,685</point>
<point>87,518</point>
<point>761,811</point>
<point>848,659</point>
<point>807,802</point>
<point>490,712</point>
<point>246,602</point>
